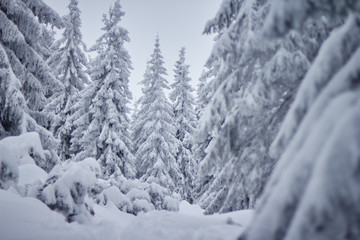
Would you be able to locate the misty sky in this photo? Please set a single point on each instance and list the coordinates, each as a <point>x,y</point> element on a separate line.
<point>178,23</point>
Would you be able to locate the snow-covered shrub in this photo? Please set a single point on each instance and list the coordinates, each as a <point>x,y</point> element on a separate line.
<point>9,170</point>
<point>31,178</point>
<point>138,194</point>
<point>141,200</point>
<point>134,196</point>
<point>90,165</point>
<point>142,205</point>
<point>16,151</point>
<point>66,189</point>
<point>113,194</point>
<point>125,185</point>
<point>170,204</point>
<point>157,194</point>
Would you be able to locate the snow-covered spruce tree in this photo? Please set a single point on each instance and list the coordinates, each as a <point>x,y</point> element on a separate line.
<point>252,93</point>
<point>155,144</point>
<point>201,94</point>
<point>103,110</point>
<point>68,63</point>
<point>201,141</point>
<point>185,120</point>
<point>135,111</point>
<point>26,80</point>
<point>204,89</point>
<point>313,192</point>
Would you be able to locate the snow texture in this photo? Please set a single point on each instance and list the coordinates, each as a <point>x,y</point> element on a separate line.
<point>29,218</point>
<point>66,189</point>
<point>313,192</point>
<point>18,151</point>
<point>68,62</point>
<point>154,134</point>
<point>101,116</point>
<point>185,120</point>
<point>250,95</point>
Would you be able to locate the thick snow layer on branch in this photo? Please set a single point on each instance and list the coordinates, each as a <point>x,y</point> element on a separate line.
<point>66,189</point>
<point>16,151</point>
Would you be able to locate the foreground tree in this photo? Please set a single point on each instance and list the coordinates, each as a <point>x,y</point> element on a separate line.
<point>314,190</point>
<point>201,141</point>
<point>68,63</point>
<point>155,144</point>
<point>102,115</point>
<point>185,120</point>
<point>26,80</point>
<point>251,95</point>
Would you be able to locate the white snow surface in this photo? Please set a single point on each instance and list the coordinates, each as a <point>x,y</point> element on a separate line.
<point>15,152</point>
<point>28,218</point>
<point>30,174</point>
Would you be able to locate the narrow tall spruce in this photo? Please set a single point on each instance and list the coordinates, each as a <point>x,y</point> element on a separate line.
<point>101,117</point>
<point>154,135</point>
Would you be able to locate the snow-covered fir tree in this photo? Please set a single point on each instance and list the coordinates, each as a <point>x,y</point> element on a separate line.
<point>201,94</point>
<point>183,100</point>
<point>252,93</point>
<point>204,89</point>
<point>313,192</point>
<point>201,141</point>
<point>68,63</point>
<point>101,114</point>
<point>154,136</point>
<point>26,81</point>
<point>135,111</point>
<point>185,120</point>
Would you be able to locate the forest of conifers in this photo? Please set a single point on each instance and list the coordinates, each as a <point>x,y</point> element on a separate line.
<point>273,125</point>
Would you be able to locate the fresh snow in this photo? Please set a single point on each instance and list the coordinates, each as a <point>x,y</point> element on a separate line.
<point>28,218</point>
<point>30,174</point>
<point>15,152</point>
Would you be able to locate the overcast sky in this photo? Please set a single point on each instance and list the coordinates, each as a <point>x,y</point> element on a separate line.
<point>178,23</point>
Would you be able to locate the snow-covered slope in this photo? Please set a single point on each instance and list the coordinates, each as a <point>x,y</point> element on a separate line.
<point>29,218</point>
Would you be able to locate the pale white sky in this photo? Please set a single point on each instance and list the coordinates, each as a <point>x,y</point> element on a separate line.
<point>178,23</point>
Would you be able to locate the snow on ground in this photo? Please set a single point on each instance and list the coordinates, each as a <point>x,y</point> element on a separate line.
<point>29,218</point>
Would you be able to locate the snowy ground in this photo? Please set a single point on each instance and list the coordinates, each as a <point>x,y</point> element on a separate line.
<point>30,219</point>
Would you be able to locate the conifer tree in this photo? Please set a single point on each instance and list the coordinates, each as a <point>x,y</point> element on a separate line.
<point>103,110</point>
<point>26,81</point>
<point>155,144</point>
<point>200,140</point>
<point>252,93</point>
<point>185,120</point>
<point>68,63</point>
<point>204,89</point>
<point>313,192</point>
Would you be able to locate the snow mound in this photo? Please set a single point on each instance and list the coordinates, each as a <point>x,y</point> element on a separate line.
<point>114,195</point>
<point>66,189</point>
<point>187,209</point>
<point>16,151</point>
<point>30,174</point>
<point>29,218</point>
<point>171,204</point>
<point>134,196</point>
<point>157,225</point>
<point>31,178</point>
